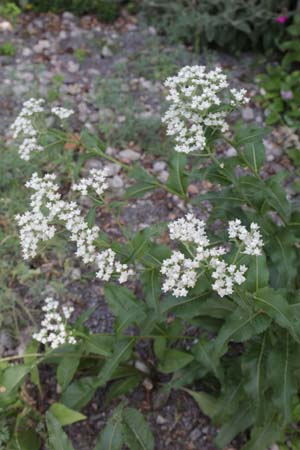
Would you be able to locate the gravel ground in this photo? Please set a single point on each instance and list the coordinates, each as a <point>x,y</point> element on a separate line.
<point>47,46</point>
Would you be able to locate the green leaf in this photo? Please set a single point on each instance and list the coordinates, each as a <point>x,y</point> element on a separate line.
<point>174,360</point>
<point>207,403</point>
<point>24,439</point>
<point>242,420</point>
<point>145,182</point>
<point>247,134</point>
<point>79,393</point>
<point>66,370</point>
<point>111,438</point>
<point>273,304</point>
<point>240,326</point>
<point>151,281</point>
<point>254,155</point>
<point>255,373</point>
<point>65,415</point>
<point>123,386</point>
<point>125,306</point>
<point>99,344</point>
<point>283,377</point>
<point>203,352</point>
<point>58,439</point>
<point>264,436</point>
<point>178,180</point>
<point>257,275</point>
<point>122,352</point>
<point>12,378</point>
<point>137,433</point>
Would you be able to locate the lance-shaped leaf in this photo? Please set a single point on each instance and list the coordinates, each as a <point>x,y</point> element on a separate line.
<point>239,422</point>
<point>253,155</point>
<point>282,375</point>
<point>66,370</point>
<point>257,275</point>
<point>137,433</point>
<point>203,352</point>
<point>207,403</point>
<point>125,307</point>
<point>240,326</point>
<point>178,180</point>
<point>274,304</point>
<point>111,438</point>
<point>121,353</point>
<point>174,360</point>
<point>65,415</point>
<point>255,372</point>
<point>58,439</point>
<point>263,436</point>
<point>79,393</point>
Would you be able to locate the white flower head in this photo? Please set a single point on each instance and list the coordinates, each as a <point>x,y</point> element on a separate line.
<point>54,331</point>
<point>199,99</point>
<point>62,113</point>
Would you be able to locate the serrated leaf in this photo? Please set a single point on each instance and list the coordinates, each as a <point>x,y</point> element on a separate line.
<point>264,436</point>
<point>254,371</point>
<point>111,438</point>
<point>177,180</point>
<point>240,326</point>
<point>137,433</point>
<point>125,306</point>
<point>257,275</point>
<point>174,360</point>
<point>242,420</point>
<point>121,353</point>
<point>253,155</point>
<point>58,439</point>
<point>283,377</point>
<point>151,281</point>
<point>65,415</point>
<point>273,304</point>
<point>203,352</point>
<point>99,343</point>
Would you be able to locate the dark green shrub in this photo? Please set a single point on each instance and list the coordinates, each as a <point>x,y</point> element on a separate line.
<point>230,24</point>
<point>106,10</point>
<point>280,88</point>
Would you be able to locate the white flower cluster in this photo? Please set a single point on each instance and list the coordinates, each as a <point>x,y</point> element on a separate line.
<point>62,113</point>
<point>34,225</point>
<point>24,126</point>
<point>107,265</point>
<point>37,225</point>
<point>181,272</point>
<point>252,239</point>
<point>96,181</point>
<point>197,101</point>
<point>54,330</point>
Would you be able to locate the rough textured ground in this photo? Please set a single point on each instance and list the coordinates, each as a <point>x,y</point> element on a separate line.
<point>115,64</point>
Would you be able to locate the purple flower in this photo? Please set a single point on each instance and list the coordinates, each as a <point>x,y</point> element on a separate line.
<point>286,95</point>
<point>281,19</point>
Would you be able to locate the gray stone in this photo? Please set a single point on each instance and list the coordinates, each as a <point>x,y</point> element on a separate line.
<point>68,16</point>
<point>112,169</point>
<point>159,166</point>
<point>195,434</point>
<point>106,52</point>
<point>116,182</point>
<point>72,67</point>
<point>42,45</point>
<point>93,164</point>
<point>26,52</point>
<point>160,420</point>
<point>163,176</point>
<point>247,113</point>
<point>129,154</point>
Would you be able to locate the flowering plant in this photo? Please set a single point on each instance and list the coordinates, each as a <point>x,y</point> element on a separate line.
<point>222,305</point>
